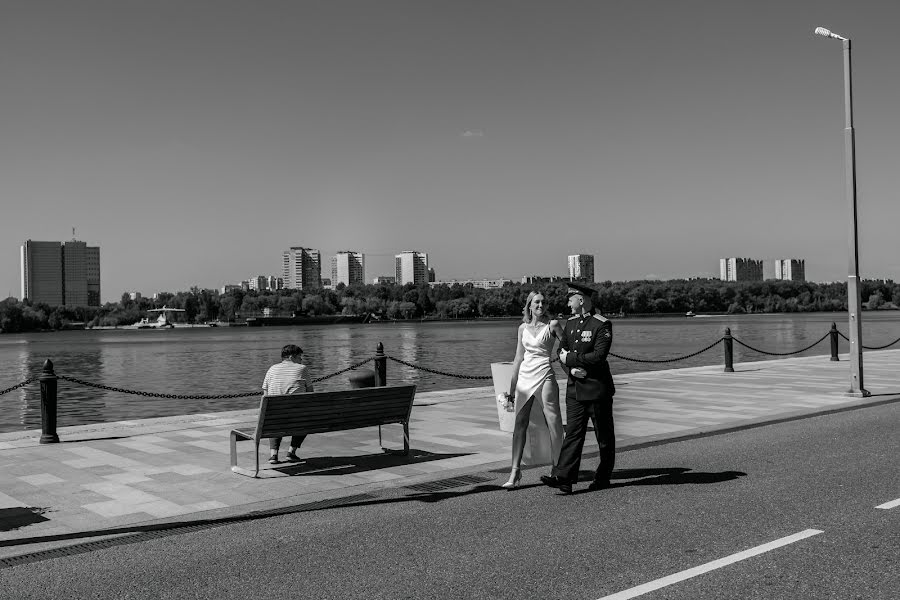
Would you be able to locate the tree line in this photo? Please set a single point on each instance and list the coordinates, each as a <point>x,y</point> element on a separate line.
<point>456,302</point>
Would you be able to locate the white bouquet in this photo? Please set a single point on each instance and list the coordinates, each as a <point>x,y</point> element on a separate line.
<point>506,401</point>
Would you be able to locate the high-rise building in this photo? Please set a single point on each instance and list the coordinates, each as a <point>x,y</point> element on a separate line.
<point>348,267</point>
<point>275,283</point>
<point>92,255</point>
<point>57,273</point>
<point>740,269</point>
<point>791,269</point>
<point>258,283</point>
<point>581,267</point>
<point>411,266</point>
<point>301,268</point>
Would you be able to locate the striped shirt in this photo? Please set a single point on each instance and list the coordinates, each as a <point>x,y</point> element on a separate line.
<point>287,377</point>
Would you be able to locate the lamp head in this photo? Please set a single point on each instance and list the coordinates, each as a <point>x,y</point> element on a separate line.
<point>828,33</point>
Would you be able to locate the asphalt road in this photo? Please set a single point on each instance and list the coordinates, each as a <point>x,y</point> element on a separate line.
<point>673,508</point>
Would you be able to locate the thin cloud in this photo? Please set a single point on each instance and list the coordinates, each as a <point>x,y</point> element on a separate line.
<point>470,133</point>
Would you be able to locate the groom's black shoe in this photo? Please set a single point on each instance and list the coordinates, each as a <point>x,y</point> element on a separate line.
<point>556,482</point>
<point>599,484</point>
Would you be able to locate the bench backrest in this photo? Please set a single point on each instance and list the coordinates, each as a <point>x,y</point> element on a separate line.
<point>318,412</point>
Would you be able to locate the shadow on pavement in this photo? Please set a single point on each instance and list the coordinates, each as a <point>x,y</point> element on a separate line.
<point>20,516</point>
<point>346,465</point>
<point>663,476</point>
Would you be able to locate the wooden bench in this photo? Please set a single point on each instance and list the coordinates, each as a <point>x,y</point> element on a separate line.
<point>320,412</point>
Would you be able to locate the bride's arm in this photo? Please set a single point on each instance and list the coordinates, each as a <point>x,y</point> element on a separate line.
<point>517,362</point>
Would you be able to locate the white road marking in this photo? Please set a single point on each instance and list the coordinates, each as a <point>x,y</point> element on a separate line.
<point>710,566</point>
<point>891,504</point>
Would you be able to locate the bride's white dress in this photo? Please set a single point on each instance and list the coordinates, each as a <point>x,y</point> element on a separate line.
<point>545,430</point>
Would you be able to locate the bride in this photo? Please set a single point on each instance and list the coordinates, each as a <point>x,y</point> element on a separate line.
<point>533,382</point>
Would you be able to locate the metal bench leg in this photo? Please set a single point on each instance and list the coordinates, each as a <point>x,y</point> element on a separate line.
<point>405,450</point>
<point>234,440</point>
<point>233,450</point>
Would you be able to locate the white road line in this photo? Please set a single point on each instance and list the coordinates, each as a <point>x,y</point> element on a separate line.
<point>710,566</point>
<point>891,504</point>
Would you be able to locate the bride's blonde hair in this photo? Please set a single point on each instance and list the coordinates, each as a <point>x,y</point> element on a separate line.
<point>526,312</point>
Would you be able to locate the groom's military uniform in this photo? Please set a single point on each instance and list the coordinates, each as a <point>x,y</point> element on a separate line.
<point>587,339</point>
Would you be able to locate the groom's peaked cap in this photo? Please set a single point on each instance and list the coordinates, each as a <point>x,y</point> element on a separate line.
<point>580,288</point>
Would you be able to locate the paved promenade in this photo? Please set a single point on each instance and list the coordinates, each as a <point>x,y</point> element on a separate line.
<point>117,478</point>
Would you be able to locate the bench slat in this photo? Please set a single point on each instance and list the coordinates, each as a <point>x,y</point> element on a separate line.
<point>338,410</point>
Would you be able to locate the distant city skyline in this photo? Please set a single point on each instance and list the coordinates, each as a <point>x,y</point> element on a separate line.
<point>497,137</point>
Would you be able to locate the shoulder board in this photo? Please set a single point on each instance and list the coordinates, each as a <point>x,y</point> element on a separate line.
<point>573,318</point>
<point>600,318</point>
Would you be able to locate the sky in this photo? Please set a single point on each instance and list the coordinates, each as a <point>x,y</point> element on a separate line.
<point>195,141</point>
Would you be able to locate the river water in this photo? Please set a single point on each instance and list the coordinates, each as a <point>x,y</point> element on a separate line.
<point>231,360</point>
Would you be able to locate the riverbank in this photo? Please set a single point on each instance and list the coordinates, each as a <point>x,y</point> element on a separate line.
<point>127,477</point>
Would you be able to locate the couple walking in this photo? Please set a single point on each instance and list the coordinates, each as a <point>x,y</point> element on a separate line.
<point>584,342</point>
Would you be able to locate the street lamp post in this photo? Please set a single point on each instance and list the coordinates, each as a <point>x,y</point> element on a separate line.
<point>853,297</point>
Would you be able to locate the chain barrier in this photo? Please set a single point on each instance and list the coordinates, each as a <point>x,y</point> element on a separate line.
<point>109,388</point>
<point>18,385</point>
<point>749,347</point>
<point>667,360</point>
<point>436,372</point>
<point>881,347</point>
<point>841,333</point>
<point>350,368</point>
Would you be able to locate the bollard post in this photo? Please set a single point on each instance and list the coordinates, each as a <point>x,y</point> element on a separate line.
<point>380,366</point>
<point>834,342</point>
<point>729,351</point>
<point>48,404</point>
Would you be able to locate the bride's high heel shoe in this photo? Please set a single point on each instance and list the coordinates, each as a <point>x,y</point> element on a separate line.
<point>514,479</point>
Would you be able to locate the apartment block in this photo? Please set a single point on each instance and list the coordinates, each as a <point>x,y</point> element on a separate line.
<point>60,273</point>
<point>740,269</point>
<point>301,268</point>
<point>348,267</point>
<point>581,267</point>
<point>411,266</point>
<point>790,269</point>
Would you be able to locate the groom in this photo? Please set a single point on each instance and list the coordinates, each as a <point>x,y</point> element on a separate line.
<point>589,392</point>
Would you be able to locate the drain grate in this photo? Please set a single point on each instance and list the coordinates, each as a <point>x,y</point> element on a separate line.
<point>169,529</point>
<point>446,484</point>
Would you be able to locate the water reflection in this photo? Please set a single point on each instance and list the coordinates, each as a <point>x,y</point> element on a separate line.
<point>15,405</point>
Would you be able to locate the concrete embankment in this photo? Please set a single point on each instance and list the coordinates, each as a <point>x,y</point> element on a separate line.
<point>115,478</point>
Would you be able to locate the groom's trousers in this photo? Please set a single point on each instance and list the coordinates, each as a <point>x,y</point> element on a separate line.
<point>578,414</point>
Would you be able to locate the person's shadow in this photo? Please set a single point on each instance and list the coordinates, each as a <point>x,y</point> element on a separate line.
<point>662,476</point>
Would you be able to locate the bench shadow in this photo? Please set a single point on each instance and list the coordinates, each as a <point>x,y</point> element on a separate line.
<point>347,465</point>
<point>17,517</point>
